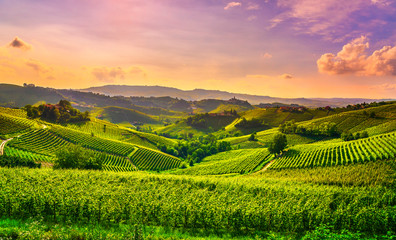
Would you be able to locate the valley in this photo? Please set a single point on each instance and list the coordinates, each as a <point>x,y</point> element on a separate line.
<point>209,173</point>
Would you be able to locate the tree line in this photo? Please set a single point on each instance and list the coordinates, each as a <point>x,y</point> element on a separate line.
<point>62,112</point>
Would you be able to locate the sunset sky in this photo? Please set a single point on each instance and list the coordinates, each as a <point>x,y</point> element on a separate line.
<point>282,48</point>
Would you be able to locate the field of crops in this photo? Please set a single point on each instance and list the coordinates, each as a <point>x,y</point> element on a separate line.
<point>236,161</point>
<point>101,129</point>
<point>360,120</point>
<point>13,112</point>
<point>379,147</point>
<point>238,204</point>
<point>118,164</point>
<point>92,142</point>
<point>147,159</point>
<point>10,124</point>
<point>40,141</point>
<point>15,152</point>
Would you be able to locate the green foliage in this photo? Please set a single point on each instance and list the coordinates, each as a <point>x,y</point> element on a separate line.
<point>278,144</point>
<point>197,149</point>
<point>120,115</point>
<point>62,112</point>
<point>11,161</point>
<point>30,156</point>
<point>348,136</point>
<point>75,156</point>
<point>252,123</point>
<point>241,204</point>
<point>252,137</point>
<point>379,147</point>
<point>323,129</point>
<point>211,120</point>
<point>148,159</point>
<point>234,161</point>
<point>10,124</point>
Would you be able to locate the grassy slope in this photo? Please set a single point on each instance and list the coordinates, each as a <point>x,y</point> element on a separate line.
<point>227,107</point>
<point>121,115</point>
<point>353,121</point>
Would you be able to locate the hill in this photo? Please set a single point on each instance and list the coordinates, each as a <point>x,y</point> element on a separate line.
<point>354,121</point>
<point>18,96</point>
<point>123,115</point>
<point>199,94</point>
<point>39,140</point>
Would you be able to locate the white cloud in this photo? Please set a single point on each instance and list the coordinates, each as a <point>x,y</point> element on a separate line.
<point>232,4</point>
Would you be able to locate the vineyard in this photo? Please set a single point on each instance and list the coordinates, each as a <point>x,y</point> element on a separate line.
<point>92,142</point>
<point>13,112</point>
<point>379,147</point>
<point>100,128</point>
<point>147,159</point>
<point>39,142</point>
<point>236,161</point>
<point>15,152</point>
<point>237,204</point>
<point>11,124</point>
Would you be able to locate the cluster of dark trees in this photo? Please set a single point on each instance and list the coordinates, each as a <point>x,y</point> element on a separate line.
<point>253,123</point>
<point>324,129</point>
<point>366,105</point>
<point>62,112</point>
<point>77,157</point>
<point>195,150</point>
<point>9,161</point>
<point>198,121</point>
<point>348,136</point>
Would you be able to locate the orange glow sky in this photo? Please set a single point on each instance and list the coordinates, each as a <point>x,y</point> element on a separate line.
<point>283,48</point>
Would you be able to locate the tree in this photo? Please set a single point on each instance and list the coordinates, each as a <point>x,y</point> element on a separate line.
<point>278,144</point>
<point>75,156</point>
<point>252,137</point>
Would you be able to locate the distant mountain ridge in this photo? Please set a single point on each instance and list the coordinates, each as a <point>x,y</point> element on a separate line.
<point>200,94</point>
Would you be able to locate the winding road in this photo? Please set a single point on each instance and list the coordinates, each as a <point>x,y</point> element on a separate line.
<point>3,145</point>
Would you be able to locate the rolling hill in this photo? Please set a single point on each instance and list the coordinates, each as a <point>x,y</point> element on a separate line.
<point>39,140</point>
<point>199,94</point>
<point>123,115</point>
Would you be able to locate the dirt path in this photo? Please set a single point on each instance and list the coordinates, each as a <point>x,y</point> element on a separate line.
<point>265,167</point>
<point>3,145</point>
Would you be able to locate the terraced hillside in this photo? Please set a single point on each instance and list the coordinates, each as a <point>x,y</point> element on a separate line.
<point>380,147</point>
<point>11,124</point>
<point>39,141</point>
<point>382,121</point>
<point>236,161</point>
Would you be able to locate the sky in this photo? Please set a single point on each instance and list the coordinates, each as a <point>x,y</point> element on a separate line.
<point>279,48</point>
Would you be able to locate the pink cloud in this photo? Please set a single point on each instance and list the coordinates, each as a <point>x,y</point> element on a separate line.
<point>266,55</point>
<point>232,4</point>
<point>352,59</point>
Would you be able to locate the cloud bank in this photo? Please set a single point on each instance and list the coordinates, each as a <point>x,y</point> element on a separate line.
<point>352,59</point>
